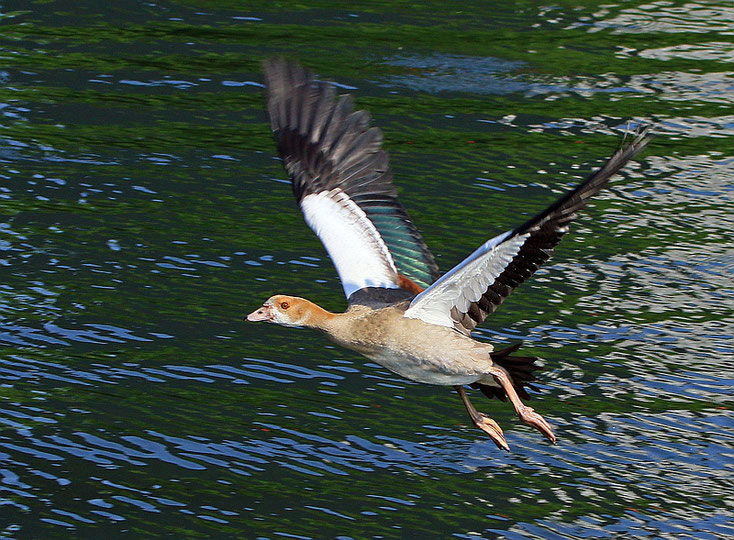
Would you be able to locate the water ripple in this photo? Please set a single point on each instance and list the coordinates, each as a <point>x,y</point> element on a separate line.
<point>144,213</point>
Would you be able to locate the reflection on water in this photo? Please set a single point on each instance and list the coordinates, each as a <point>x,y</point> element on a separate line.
<point>486,75</point>
<point>717,50</point>
<point>670,17</point>
<point>144,213</point>
<point>450,73</point>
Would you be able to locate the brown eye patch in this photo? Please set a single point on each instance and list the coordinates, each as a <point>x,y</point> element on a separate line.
<point>284,305</point>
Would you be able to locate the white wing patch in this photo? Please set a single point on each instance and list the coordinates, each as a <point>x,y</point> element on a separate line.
<point>356,248</point>
<point>466,282</point>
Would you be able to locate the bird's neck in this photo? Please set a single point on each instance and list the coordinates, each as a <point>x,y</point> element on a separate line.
<point>318,318</point>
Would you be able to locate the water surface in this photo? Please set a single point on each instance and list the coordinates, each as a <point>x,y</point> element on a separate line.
<point>144,213</point>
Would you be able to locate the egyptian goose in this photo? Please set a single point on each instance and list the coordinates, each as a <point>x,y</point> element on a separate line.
<point>403,313</point>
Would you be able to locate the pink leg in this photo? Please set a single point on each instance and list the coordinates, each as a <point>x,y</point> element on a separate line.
<point>483,422</point>
<point>525,413</point>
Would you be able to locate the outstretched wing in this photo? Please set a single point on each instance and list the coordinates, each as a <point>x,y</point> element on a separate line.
<point>343,183</point>
<point>464,296</point>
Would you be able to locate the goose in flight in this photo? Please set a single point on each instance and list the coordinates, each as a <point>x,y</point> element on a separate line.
<point>403,313</point>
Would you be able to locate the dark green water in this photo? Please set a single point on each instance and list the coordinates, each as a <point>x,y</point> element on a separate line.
<point>144,213</point>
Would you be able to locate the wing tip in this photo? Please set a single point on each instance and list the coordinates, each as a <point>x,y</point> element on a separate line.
<point>634,140</point>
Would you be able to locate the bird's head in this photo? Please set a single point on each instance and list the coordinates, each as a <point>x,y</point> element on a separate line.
<point>285,311</point>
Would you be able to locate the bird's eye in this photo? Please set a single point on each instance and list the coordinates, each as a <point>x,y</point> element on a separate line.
<point>284,305</point>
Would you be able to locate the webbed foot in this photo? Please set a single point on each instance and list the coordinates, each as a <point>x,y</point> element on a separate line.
<point>491,428</point>
<point>484,422</point>
<point>533,419</point>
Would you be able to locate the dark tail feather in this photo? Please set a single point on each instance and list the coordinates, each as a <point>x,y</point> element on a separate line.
<point>520,369</point>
